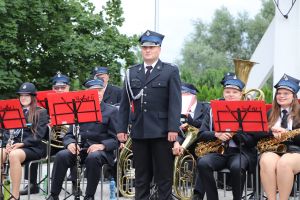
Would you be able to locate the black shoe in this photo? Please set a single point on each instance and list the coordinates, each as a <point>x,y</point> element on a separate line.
<point>89,198</point>
<point>53,197</point>
<point>34,189</point>
<point>197,197</point>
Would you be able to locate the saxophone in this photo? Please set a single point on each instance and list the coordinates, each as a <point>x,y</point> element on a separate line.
<point>275,145</point>
<point>184,167</point>
<point>204,148</point>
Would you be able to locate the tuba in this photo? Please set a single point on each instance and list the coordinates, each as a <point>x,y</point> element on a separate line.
<point>57,135</point>
<point>184,167</point>
<point>126,171</point>
<point>242,71</point>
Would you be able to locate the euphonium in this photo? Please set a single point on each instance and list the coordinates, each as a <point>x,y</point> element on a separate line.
<point>242,71</point>
<point>57,135</point>
<point>204,148</point>
<point>126,171</point>
<point>274,145</point>
<point>184,167</point>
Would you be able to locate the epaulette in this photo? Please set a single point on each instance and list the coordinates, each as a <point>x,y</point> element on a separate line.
<point>171,64</point>
<point>133,66</point>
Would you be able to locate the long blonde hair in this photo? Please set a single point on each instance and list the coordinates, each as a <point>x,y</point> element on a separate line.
<point>275,112</point>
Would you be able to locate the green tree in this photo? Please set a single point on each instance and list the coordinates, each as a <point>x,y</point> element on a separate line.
<point>41,37</point>
<point>210,51</point>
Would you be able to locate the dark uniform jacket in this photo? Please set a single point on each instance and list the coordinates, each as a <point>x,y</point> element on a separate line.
<point>98,133</point>
<point>112,95</point>
<point>200,111</point>
<point>34,140</point>
<point>158,111</point>
<point>248,141</point>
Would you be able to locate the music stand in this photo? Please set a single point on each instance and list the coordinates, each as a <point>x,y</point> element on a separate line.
<point>11,117</point>
<point>74,108</point>
<point>42,100</point>
<point>239,117</point>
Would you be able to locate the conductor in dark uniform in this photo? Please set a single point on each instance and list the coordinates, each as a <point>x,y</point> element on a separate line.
<point>154,89</point>
<point>96,148</point>
<point>231,158</point>
<point>112,94</point>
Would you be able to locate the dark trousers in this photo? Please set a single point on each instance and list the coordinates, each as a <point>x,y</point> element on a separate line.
<point>153,158</point>
<point>65,159</point>
<point>215,162</point>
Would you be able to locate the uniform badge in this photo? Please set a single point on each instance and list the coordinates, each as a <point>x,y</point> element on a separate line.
<point>285,77</point>
<point>58,74</point>
<point>24,86</point>
<point>148,33</point>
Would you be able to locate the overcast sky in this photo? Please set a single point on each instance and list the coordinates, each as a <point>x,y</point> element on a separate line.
<point>175,18</point>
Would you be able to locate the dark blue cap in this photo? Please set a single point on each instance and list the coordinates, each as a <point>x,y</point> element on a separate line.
<point>190,88</point>
<point>227,75</point>
<point>99,70</point>
<point>94,83</point>
<point>60,79</point>
<point>234,82</point>
<point>151,38</point>
<point>289,83</point>
<point>27,88</point>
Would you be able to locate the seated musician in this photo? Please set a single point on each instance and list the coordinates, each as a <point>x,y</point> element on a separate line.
<point>96,148</point>
<point>60,83</point>
<point>193,111</point>
<point>27,143</point>
<point>230,159</point>
<point>277,169</point>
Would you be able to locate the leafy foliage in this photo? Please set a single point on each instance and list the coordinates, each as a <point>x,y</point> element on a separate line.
<point>211,50</point>
<point>41,37</point>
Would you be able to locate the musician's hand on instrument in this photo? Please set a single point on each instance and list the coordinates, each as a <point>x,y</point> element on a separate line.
<point>17,146</point>
<point>122,137</point>
<point>72,147</point>
<point>95,147</point>
<point>224,136</point>
<point>177,149</point>
<point>184,126</point>
<point>122,145</point>
<point>172,136</point>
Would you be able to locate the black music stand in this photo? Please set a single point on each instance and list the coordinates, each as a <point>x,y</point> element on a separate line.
<point>239,117</point>
<point>74,108</point>
<point>11,117</point>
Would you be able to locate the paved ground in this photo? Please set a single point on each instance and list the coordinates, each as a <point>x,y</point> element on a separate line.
<point>41,196</point>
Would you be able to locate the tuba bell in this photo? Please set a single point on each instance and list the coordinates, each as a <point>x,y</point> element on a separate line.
<point>184,167</point>
<point>57,135</point>
<point>126,171</point>
<point>242,71</point>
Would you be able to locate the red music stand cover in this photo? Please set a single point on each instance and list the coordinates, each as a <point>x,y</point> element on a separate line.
<point>253,117</point>
<point>74,107</point>
<point>11,114</point>
<point>41,97</point>
<point>268,106</point>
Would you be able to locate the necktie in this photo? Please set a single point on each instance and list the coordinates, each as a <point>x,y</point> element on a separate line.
<point>284,118</point>
<point>148,71</point>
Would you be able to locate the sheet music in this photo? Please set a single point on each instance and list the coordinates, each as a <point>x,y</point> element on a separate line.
<point>188,100</point>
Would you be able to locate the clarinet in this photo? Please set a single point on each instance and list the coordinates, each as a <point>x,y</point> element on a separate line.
<point>10,141</point>
<point>77,195</point>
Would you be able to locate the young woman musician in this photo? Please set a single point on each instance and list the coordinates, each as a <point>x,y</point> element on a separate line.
<point>27,145</point>
<point>277,169</point>
<point>230,159</point>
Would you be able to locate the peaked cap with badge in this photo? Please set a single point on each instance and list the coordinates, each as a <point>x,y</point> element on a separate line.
<point>289,83</point>
<point>151,38</point>
<point>60,79</point>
